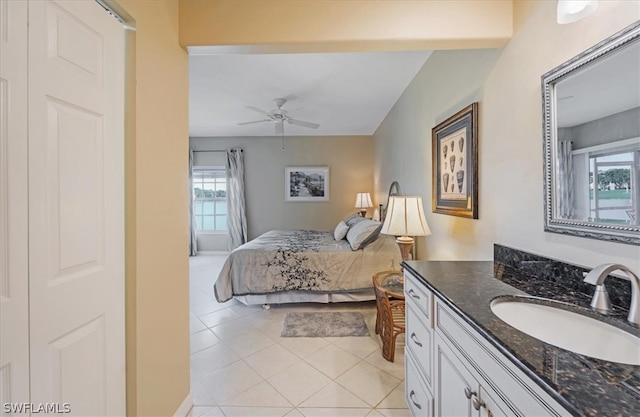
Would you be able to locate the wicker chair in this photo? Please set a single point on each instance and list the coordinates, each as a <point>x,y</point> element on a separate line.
<point>390,320</point>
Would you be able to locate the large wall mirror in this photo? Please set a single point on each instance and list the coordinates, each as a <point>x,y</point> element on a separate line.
<point>592,141</point>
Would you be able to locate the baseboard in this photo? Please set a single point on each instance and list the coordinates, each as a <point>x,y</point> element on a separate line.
<point>185,407</point>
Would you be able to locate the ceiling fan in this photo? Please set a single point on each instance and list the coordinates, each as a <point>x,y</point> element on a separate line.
<point>279,116</point>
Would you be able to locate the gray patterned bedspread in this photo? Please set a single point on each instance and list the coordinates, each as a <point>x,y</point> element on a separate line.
<point>305,260</point>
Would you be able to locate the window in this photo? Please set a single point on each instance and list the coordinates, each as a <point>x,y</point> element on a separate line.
<point>210,199</point>
<point>612,186</point>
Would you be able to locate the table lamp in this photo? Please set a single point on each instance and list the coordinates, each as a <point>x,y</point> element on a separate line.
<point>363,202</point>
<point>404,219</point>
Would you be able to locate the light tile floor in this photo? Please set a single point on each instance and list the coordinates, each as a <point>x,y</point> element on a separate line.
<point>240,366</point>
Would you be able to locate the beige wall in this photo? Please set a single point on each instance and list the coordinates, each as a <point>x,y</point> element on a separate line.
<point>510,149</point>
<point>513,122</point>
<point>510,159</point>
<point>157,274</point>
<point>345,25</point>
<point>447,82</point>
<point>349,159</point>
<point>156,161</point>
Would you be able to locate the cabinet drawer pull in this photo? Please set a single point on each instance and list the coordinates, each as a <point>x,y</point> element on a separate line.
<point>415,339</point>
<point>412,395</point>
<point>477,403</point>
<point>468,393</point>
<point>413,294</point>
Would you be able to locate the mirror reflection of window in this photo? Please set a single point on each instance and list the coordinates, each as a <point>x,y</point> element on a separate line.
<point>606,183</point>
<point>611,196</point>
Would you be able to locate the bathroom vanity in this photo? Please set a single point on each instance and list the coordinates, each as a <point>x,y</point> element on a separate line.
<point>462,360</point>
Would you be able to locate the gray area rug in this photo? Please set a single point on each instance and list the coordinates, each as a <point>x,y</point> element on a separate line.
<point>314,324</point>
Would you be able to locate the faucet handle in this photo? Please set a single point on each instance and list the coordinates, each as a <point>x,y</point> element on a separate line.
<point>600,301</point>
<point>598,274</point>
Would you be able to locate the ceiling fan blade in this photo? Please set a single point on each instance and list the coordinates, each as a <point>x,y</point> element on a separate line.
<point>257,110</point>
<point>303,123</point>
<point>291,111</point>
<point>255,121</point>
<point>279,128</point>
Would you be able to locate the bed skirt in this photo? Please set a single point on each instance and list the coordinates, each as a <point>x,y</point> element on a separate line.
<point>286,297</point>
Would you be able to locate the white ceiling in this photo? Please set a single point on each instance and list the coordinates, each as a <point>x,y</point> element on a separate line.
<point>346,93</point>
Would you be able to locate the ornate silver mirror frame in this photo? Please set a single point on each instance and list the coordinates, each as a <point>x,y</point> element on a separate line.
<point>557,218</point>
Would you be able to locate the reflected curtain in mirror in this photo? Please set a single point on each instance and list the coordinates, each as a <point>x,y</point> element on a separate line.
<point>565,179</point>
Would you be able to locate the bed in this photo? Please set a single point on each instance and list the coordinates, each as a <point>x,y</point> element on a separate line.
<point>292,266</point>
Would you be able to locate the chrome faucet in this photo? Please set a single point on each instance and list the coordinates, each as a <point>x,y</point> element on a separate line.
<point>600,300</point>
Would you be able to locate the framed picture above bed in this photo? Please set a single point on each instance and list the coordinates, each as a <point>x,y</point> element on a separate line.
<point>455,164</point>
<point>306,184</point>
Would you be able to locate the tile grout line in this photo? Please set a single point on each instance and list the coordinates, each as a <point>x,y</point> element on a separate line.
<point>300,355</point>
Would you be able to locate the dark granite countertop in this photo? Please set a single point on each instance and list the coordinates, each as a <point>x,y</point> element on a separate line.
<point>584,386</point>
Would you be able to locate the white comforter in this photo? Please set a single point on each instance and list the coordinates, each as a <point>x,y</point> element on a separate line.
<point>303,260</point>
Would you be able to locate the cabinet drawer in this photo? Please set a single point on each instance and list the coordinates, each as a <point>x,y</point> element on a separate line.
<point>418,397</point>
<point>419,339</point>
<point>418,294</point>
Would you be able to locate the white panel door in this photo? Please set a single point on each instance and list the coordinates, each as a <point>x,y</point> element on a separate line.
<point>14,302</point>
<point>452,379</point>
<point>76,207</point>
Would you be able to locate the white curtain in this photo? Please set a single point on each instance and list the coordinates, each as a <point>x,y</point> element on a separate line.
<point>193,243</point>
<point>565,179</point>
<point>236,215</point>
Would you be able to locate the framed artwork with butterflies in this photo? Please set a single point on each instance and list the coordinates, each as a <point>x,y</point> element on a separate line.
<point>455,164</point>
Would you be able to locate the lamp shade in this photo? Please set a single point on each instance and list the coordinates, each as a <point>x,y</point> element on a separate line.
<point>570,11</point>
<point>363,200</point>
<point>405,217</point>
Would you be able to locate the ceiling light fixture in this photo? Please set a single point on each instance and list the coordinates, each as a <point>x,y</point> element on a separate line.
<point>570,11</point>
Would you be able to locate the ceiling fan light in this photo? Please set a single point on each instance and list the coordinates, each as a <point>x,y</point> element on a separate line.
<point>279,116</point>
<point>569,11</point>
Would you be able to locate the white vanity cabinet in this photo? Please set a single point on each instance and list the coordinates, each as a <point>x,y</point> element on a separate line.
<point>456,371</point>
<point>418,347</point>
<point>418,396</point>
<point>458,392</point>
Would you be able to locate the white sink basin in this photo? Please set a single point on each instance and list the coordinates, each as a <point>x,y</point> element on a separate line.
<point>568,330</point>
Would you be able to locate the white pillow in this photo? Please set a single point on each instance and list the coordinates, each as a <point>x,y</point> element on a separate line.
<point>341,231</point>
<point>363,233</point>
<point>353,219</point>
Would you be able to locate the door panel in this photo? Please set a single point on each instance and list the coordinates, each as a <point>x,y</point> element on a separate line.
<point>452,380</point>
<point>84,345</point>
<point>76,206</point>
<point>75,242</point>
<point>14,297</point>
<point>73,41</point>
